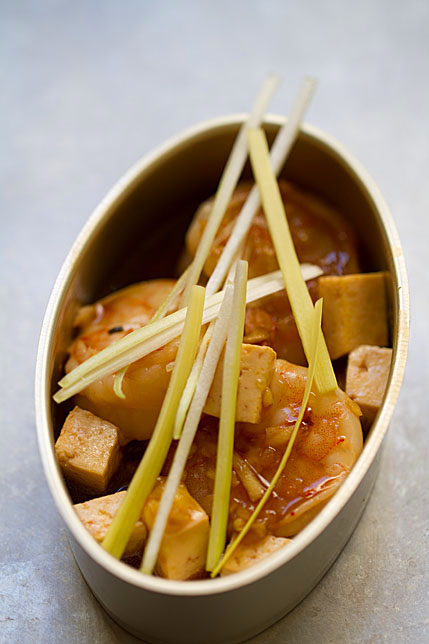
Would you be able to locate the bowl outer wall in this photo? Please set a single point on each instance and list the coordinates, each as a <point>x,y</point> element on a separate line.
<point>235,615</point>
<point>253,599</point>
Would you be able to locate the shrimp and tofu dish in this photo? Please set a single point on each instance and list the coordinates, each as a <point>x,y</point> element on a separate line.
<point>207,427</point>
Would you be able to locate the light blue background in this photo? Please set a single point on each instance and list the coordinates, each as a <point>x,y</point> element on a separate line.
<point>89,87</point>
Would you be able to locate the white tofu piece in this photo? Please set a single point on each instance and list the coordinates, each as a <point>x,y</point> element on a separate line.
<point>183,550</point>
<point>368,370</point>
<point>256,367</point>
<point>97,515</point>
<point>88,450</point>
<point>251,552</point>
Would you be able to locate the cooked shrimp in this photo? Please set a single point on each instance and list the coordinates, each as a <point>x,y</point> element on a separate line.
<point>328,444</point>
<point>146,380</point>
<point>321,236</point>
<point>270,322</point>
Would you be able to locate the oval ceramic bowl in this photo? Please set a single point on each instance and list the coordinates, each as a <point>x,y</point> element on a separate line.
<point>145,216</point>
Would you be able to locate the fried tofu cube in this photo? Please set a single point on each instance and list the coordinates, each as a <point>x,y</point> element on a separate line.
<point>183,550</point>
<point>366,379</point>
<point>97,515</point>
<point>88,450</point>
<point>251,552</point>
<point>256,367</point>
<point>354,311</point>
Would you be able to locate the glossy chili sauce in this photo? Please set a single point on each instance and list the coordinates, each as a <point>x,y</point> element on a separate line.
<point>261,448</point>
<point>321,236</point>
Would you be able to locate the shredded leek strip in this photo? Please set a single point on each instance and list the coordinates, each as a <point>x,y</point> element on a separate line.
<point>137,336</point>
<point>297,291</point>
<point>117,383</point>
<point>186,399</point>
<point>191,383</point>
<point>172,296</point>
<point>189,430</point>
<point>159,314</point>
<point>225,446</point>
<point>139,343</point>
<point>281,147</point>
<point>315,348</point>
<point>228,182</point>
<point>150,466</point>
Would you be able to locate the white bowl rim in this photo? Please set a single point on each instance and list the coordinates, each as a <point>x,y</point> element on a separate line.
<point>372,444</point>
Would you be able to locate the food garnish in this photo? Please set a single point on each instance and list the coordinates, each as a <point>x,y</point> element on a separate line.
<point>206,464</point>
<point>191,424</point>
<point>150,466</point>
<point>191,383</point>
<point>296,288</point>
<point>316,335</point>
<point>280,149</point>
<point>142,341</point>
<point>225,448</point>
<point>230,176</point>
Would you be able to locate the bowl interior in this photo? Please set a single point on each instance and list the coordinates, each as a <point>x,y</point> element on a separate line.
<point>155,211</point>
<point>138,230</point>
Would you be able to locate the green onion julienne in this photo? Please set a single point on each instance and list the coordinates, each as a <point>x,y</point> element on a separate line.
<point>150,466</point>
<point>230,176</point>
<point>280,149</point>
<point>297,291</point>
<point>197,366</point>
<point>211,359</point>
<point>142,341</point>
<point>191,383</point>
<point>316,337</point>
<point>225,449</point>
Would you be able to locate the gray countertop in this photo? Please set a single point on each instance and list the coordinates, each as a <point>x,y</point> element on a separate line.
<point>88,88</point>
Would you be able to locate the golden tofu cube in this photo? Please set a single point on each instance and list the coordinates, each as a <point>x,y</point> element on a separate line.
<point>183,550</point>
<point>256,368</point>
<point>88,450</point>
<point>97,515</point>
<point>354,311</point>
<point>368,370</point>
<point>251,552</point>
